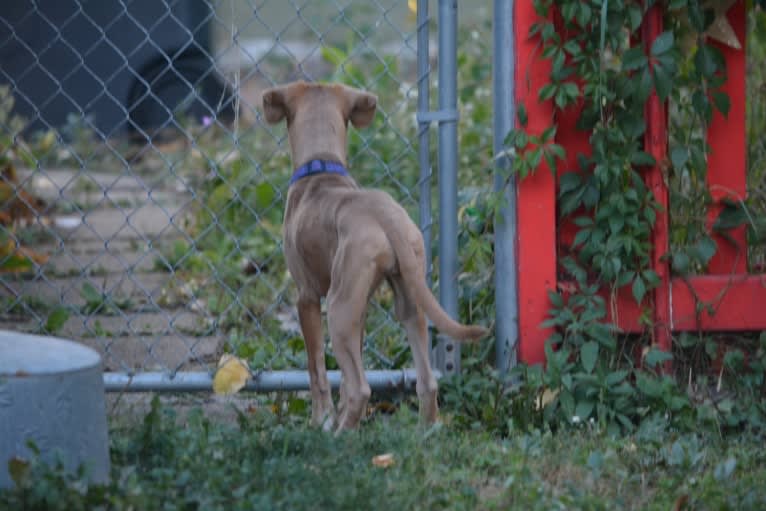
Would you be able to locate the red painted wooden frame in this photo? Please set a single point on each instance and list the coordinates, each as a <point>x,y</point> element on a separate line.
<point>727,298</point>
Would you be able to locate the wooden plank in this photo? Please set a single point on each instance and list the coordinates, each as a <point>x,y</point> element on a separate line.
<point>656,144</point>
<point>737,303</point>
<point>536,197</point>
<point>727,164</point>
<point>728,303</point>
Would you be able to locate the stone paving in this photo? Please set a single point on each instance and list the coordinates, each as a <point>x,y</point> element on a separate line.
<point>109,238</point>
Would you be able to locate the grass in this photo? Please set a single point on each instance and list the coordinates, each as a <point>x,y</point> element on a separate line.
<point>265,461</point>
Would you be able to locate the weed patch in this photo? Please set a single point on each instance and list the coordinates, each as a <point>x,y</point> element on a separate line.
<point>265,461</point>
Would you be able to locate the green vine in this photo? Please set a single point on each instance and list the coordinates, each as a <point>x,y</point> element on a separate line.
<point>599,66</point>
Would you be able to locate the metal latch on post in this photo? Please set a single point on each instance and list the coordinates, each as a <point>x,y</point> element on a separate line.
<point>439,116</point>
<point>448,358</point>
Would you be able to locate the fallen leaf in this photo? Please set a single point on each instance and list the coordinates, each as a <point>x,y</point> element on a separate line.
<point>546,398</point>
<point>231,376</point>
<point>18,468</point>
<point>16,259</point>
<point>383,460</point>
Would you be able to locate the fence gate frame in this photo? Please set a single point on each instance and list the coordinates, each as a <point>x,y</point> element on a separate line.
<point>736,298</point>
<point>445,355</point>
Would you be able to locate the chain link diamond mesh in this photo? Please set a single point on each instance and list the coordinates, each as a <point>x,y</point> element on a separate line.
<point>141,195</point>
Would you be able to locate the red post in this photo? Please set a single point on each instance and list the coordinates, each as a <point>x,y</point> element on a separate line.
<point>727,164</point>
<point>656,143</point>
<point>536,197</point>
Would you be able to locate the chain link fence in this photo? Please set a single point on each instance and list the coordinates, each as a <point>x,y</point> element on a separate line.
<point>141,195</point>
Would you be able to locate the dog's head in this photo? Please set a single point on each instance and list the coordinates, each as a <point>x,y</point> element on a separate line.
<point>317,116</point>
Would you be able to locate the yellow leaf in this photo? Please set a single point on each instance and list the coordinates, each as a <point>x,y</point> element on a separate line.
<point>47,141</point>
<point>231,376</point>
<point>383,460</point>
<point>546,398</point>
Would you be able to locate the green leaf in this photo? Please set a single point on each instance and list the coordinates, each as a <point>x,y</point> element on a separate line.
<point>584,409</point>
<point>725,469</point>
<point>651,278</point>
<point>558,62</point>
<point>522,140</point>
<point>663,82</point>
<point>615,377</point>
<point>571,90</point>
<point>680,263</point>
<point>264,195</point>
<point>551,161</point>
<point>16,263</point>
<point>722,102</point>
<point>704,249</point>
<point>639,289</point>
<point>732,215</point>
<point>642,159</point>
<point>589,355</point>
<point>569,181</point>
<point>655,356</point>
<point>90,294</point>
<point>572,47</point>
<point>625,277</point>
<point>521,114</point>
<point>634,59</point>
<point>678,157</point>
<point>701,105</point>
<point>536,157</point>
<point>556,299</point>
<point>705,61</point>
<point>616,223</point>
<point>644,86</point>
<point>548,134</point>
<point>547,91</point>
<point>590,196</point>
<point>56,320</point>
<point>663,43</point>
<point>581,237</point>
<point>649,385</point>
<point>568,11</point>
<point>334,56</point>
<point>635,16</point>
<point>584,14</point>
<point>697,16</point>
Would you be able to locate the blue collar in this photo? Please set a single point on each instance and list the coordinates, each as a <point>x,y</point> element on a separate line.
<point>318,167</point>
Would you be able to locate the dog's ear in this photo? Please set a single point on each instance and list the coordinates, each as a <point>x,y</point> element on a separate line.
<point>363,105</point>
<point>275,103</point>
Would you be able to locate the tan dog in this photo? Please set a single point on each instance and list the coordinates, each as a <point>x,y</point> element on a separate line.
<point>342,241</point>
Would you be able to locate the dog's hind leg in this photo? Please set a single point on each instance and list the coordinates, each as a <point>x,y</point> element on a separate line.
<point>414,321</point>
<point>322,410</point>
<point>346,311</point>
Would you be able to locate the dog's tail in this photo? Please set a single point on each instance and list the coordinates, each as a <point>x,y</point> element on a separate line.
<point>413,275</point>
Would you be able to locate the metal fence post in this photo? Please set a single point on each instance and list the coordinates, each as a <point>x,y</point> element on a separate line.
<point>448,352</point>
<point>424,145</point>
<point>506,296</point>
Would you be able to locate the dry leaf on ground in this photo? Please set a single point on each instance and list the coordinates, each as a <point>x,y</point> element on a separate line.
<point>383,460</point>
<point>546,398</point>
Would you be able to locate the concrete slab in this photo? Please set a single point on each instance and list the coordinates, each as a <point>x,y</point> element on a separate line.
<point>101,258</point>
<point>157,353</point>
<point>134,323</point>
<point>141,290</point>
<point>145,222</point>
<point>51,181</point>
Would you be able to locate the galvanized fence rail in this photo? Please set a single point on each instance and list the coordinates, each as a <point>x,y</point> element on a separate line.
<point>141,193</point>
